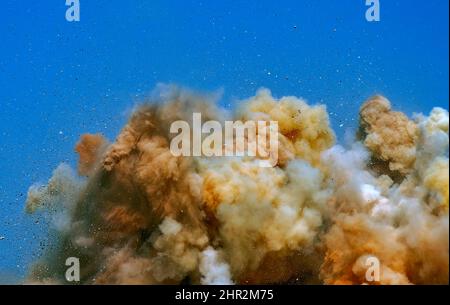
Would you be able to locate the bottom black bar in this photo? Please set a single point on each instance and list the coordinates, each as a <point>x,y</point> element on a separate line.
<point>228,294</point>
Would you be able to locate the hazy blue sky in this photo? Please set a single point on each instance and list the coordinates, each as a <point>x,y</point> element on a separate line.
<point>61,79</point>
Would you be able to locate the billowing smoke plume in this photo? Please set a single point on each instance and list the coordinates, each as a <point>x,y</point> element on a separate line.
<point>137,214</point>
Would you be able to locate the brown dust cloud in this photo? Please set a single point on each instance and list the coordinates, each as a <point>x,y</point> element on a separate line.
<point>133,213</point>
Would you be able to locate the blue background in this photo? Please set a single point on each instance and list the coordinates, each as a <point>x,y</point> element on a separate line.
<point>60,79</point>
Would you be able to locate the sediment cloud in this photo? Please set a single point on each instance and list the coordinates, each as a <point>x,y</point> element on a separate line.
<point>137,214</point>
